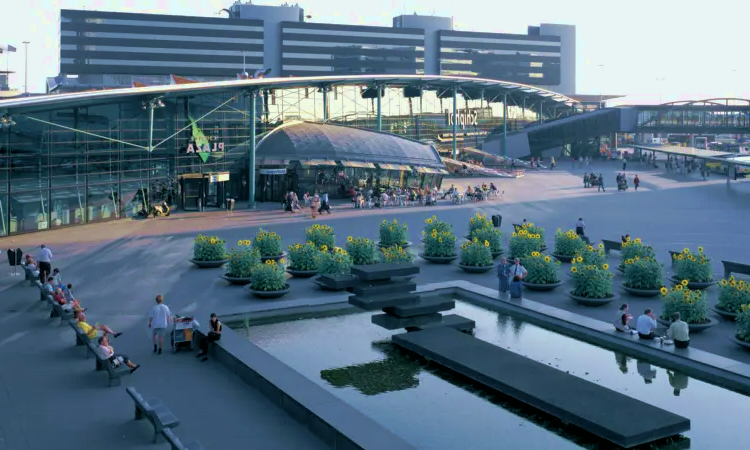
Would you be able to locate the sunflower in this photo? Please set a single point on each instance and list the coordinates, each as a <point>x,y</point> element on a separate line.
<point>679,287</point>
<point>700,249</point>
<point>429,220</point>
<point>323,248</point>
<point>213,240</point>
<point>579,259</point>
<point>601,246</point>
<point>605,266</point>
<point>664,291</point>
<point>486,243</point>
<point>684,282</point>
<point>574,269</point>
<point>547,259</point>
<point>350,239</point>
<point>475,240</point>
<point>240,242</point>
<point>247,241</point>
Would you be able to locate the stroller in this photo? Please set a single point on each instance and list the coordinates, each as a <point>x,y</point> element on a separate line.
<point>182,333</point>
<point>622,184</point>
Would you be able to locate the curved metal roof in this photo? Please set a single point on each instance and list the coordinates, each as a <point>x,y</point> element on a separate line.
<point>492,89</point>
<point>325,141</point>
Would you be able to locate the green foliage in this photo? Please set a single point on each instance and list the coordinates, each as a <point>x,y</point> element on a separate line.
<point>268,243</point>
<point>303,256</point>
<point>478,222</point>
<point>692,305</point>
<point>432,223</point>
<point>337,262</point>
<point>476,254</point>
<point>592,255</point>
<point>392,233</point>
<point>491,235</point>
<point>542,269</point>
<point>209,248</point>
<point>693,266</point>
<point>396,255</point>
<point>568,243</point>
<point>523,243</point>
<point>733,294</point>
<point>532,229</point>
<point>320,235</point>
<point>242,260</point>
<point>592,281</point>
<point>644,273</point>
<point>742,330</point>
<point>439,243</point>
<point>269,277</point>
<point>362,251</point>
<point>634,249</point>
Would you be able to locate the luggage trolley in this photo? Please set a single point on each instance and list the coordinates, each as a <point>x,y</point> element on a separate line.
<point>182,333</point>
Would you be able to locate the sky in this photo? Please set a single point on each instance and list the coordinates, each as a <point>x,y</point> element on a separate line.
<point>648,50</point>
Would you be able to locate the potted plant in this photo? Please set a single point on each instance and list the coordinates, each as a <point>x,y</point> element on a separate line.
<point>691,304</point>
<point>269,280</point>
<point>590,256</point>
<point>491,235</point>
<point>522,243</point>
<point>396,255</point>
<point>362,251</point>
<point>209,252</point>
<point>439,243</point>
<point>693,267</point>
<point>634,249</point>
<point>476,257</point>
<point>542,274</point>
<point>334,263</point>
<point>644,277</point>
<point>432,223</point>
<point>303,259</point>
<point>593,284</point>
<point>742,329</point>
<point>532,229</point>
<point>241,263</point>
<point>567,245</point>
<point>393,233</point>
<point>321,235</point>
<point>268,244</point>
<point>732,295</point>
<point>478,222</point>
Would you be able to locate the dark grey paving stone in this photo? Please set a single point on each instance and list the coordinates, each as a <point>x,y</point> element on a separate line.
<point>337,281</point>
<point>390,322</point>
<point>608,414</point>
<point>425,306</point>
<point>454,321</point>
<point>380,287</point>
<point>384,271</point>
<point>378,302</point>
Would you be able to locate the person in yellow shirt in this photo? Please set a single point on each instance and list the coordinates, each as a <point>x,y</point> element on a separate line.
<point>92,332</point>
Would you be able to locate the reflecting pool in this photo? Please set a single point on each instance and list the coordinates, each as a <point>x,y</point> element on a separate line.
<point>434,409</point>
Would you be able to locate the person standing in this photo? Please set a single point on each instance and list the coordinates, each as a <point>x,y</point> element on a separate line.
<point>624,162</point>
<point>214,334</point>
<point>636,182</point>
<point>503,273</point>
<point>516,274</point>
<point>600,184</point>
<point>324,206</point>
<point>580,227</point>
<point>158,320</point>
<point>45,263</point>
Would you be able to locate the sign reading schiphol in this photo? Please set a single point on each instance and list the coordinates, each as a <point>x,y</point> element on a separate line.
<point>466,117</point>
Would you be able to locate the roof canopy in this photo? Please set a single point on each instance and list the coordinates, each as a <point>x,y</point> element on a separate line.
<point>491,90</point>
<point>301,141</point>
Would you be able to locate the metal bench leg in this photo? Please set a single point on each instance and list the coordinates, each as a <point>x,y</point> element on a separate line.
<point>138,413</point>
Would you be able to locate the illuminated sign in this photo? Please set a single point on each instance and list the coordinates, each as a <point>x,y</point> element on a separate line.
<point>205,148</point>
<point>465,117</point>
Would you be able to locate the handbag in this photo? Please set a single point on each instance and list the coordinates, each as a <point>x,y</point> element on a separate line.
<point>116,362</point>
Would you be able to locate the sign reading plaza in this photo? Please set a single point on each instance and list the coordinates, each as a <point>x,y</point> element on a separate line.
<point>465,117</point>
<point>205,148</point>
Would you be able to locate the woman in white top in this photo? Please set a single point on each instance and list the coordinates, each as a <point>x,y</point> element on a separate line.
<point>580,227</point>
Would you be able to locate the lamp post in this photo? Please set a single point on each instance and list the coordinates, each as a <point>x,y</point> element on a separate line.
<point>26,69</point>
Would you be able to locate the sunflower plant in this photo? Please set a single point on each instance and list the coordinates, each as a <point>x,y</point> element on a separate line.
<point>396,255</point>
<point>478,222</point>
<point>532,229</point>
<point>392,233</point>
<point>691,304</point>
<point>568,243</point>
<point>491,235</point>
<point>695,267</point>
<point>733,294</point>
<point>361,250</point>
<point>542,269</point>
<point>592,255</point>
<point>643,273</point>
<point>242,260</point>
<point>439,244</point>
<point>269,277</point>
<point>742,329</point>
<point>209,248</point>
<point>476,254</point>
<point>304,257</point>
<point>432,223</point>
<point>336,262</point>
<point>635,249</point>
<point>268,243</point>
<point>592,281</point>
<point>522,243</point>
<point>320,235</point>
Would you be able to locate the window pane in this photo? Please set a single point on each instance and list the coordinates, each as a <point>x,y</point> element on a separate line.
<point>29,211</point>
<point>68,206</point>
<point>102,202</point>
<point>3,215</point>
<point>131,200</point>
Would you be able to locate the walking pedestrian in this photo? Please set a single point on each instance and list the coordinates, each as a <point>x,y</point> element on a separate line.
<point>158,320</point>
<point>624,163</point>
<point>324,206</point>
<point>636,182</point>
<point>45,263</point>
<point>580,227</point>
<point>600,184</point>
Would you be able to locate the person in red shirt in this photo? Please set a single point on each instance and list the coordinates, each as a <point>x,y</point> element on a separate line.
<point>636,182</point>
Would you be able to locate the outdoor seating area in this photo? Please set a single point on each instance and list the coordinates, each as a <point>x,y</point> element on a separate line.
<point>162,420</point>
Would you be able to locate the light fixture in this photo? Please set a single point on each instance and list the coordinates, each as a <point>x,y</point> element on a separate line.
<point>6,121</point>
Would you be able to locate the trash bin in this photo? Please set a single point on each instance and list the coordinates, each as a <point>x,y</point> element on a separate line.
<point>497,220</point>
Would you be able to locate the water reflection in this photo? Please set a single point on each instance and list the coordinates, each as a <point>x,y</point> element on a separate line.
<point>509,323</point>
<point>646,371</point>
<point>622,362</point>
<point>678,381</point>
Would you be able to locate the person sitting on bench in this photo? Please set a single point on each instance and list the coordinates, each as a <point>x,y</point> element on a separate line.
<point>92,332</point>
<point>646,325</point>
<point>107,352</point>
<point>74,305</point>
<point>49,286</point>
<point>214,334</point>
<point>31,265</point>
<point>622,319</point>
<point>679,332</point>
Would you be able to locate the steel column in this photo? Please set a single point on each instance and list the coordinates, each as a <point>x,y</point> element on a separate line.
<point>541,112</point>
<point>505,125</point>
<point>251,154</point>
<point>151,108</point>
<point>380,111</point>
<point>325,103</point>
<point>454,153</point>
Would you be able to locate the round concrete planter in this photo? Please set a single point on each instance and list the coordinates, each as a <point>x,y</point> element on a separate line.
<point>301,273</point>
<point>541,287</point>
<point>241,281</point>
<point>476,269</point>
<point>325,287</point>
<point>495,255</point>
<point>563,258</point>
<point>693,327</point>
<point>209,264</point>
<point>592,301</point>
<point>438,259</point>
<point>694,285</point>
<point>406,245</point>
<point>641,292</point>
<point>724,314</point>
<point>739,342</point>
<point>273,258</point>
<point>268,294</point>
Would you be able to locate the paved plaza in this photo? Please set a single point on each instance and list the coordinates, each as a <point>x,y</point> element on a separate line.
<point>118,268</point>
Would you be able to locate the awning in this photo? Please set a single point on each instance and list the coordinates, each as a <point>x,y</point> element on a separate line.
<point>444,172</point>
<point>358,164</point>
<point>428,170</point>
<point>389,166</point>
<point>318,163</point>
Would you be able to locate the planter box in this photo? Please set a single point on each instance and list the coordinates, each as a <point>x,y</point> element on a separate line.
<point>541,287</point>
<point>641,292</point>
<point>476,269</point>
<point>406,245</point>
<point>268,294</point>
<point>593,301</point>
<point>694,285</point>
<point>301,273</point>
<point>209,264</point>
<point>563,258</point>
<point>495,255</point>
<point>274,258</point>
<point>694,328</point>
<point>724,314</point>
<point>739,342</point>
<point>236,280</point>
<point>438,259</point>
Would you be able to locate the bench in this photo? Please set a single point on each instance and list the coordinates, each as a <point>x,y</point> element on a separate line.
<point>43,293</point>
<point>672,256</point>
<point>175,443</point>
<point>113,373</point>
<point>611,245</point>
<point>731,267</point>
<point>155,412</point>
<point>30,276</point>
<point>517,227</point>
<point>58,311</point>
<point>81,338</point>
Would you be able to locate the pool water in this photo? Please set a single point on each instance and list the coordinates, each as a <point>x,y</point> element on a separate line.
<point>433,409</point>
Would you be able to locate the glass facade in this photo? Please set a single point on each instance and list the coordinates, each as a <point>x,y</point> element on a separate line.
<point>729,118</point>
